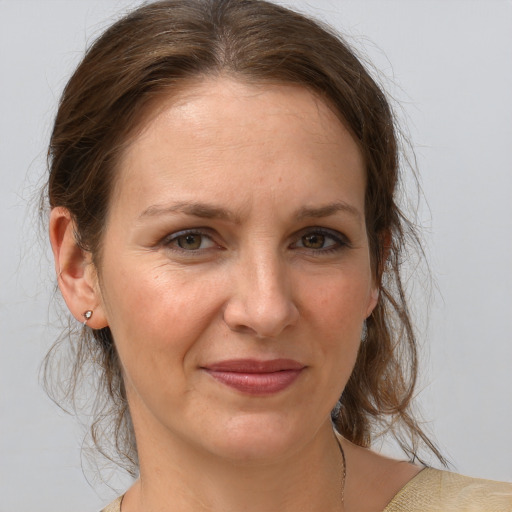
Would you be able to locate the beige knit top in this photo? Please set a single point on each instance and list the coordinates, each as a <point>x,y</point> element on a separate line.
<point>432,490</point>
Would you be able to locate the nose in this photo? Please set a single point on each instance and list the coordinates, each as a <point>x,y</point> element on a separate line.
<point>261,301</point>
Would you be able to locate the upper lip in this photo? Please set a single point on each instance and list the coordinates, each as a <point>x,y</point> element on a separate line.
<point>254,365</point>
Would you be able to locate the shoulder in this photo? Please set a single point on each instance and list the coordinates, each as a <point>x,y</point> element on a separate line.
<point>115,506</point>
<point>435,490</point>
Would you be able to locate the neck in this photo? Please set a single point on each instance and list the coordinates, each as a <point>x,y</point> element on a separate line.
<point>182,477</point>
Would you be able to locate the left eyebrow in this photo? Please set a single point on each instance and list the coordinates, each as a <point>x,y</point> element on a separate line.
<point>327,210</point>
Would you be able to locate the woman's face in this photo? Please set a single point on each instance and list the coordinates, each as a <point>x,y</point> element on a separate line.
<point>235,272</point>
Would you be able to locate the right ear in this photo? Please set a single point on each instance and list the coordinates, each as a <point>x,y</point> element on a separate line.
<point>76,273</point>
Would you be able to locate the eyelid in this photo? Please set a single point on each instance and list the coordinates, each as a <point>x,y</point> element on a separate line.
<point>201,231</point>
<point>341,240</point>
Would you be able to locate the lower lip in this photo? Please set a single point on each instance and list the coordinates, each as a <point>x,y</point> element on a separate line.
<point>257,383</point>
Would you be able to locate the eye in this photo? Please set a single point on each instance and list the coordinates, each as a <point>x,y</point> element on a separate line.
<point>320,240</point>
<point>189,241</point>
<point>316,241</point>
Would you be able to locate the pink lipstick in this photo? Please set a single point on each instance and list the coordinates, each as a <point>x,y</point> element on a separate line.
<point>256,377</point>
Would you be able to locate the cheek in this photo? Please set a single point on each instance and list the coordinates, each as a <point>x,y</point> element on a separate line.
<point>333,314</point>
<point>334,309</point>
<point>157,315</point>
<point>338,299</point>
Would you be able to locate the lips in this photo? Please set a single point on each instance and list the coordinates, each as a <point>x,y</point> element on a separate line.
<point>256,377</point>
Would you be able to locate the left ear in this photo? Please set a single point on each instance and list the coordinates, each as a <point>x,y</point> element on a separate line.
<point>76,273</point>
<point>373,300</point>
<point>385,240</point>
<point>385,248</point>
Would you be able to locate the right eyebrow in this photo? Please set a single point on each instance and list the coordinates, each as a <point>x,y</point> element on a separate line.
<point>201,210</point>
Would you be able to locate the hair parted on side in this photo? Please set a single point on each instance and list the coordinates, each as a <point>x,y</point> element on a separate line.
<point>157,50</point>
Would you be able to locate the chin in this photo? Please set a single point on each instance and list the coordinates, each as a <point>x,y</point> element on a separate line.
<point>253,438</point>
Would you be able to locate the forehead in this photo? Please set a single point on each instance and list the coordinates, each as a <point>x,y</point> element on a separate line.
<point>223,131</point>
<point>223,101</point>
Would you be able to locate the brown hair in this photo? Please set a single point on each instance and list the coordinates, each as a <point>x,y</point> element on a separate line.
<point>160,47</point>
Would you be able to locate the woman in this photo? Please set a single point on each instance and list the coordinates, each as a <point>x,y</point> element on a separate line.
<point>222,183</point>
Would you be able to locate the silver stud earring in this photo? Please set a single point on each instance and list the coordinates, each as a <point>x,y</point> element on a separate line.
<point>87,315</point>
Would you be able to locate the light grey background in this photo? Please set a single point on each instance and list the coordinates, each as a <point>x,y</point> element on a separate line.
<point>449,63</point>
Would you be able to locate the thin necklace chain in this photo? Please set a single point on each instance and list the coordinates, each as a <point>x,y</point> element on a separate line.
<point>344,475</point>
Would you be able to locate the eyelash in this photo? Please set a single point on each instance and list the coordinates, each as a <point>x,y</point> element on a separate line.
<point>340,241</point>
<point>174,237</point>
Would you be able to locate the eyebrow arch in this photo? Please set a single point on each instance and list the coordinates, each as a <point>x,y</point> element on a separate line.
<point>202,210</point>
<point>327,211</point>
<point>207,211</point>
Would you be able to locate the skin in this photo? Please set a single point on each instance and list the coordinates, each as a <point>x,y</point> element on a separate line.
<point>269,186</point>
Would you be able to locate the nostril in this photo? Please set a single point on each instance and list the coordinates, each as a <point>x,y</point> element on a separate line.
<point>261,320</point>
